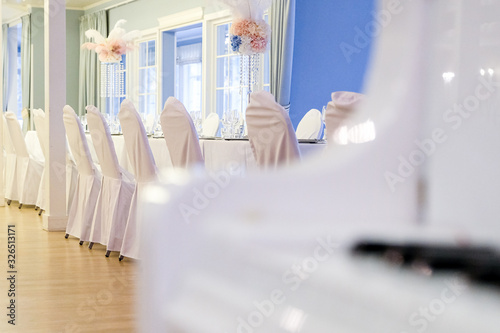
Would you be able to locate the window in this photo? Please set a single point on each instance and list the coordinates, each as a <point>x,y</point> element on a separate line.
<point>182,65</point>
<point>147,81</point>
<point>229,93</point>
<point>188,76</point>
<point>14,92</point>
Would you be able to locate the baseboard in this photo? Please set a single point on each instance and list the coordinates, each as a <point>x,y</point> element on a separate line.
<point>54,223</point>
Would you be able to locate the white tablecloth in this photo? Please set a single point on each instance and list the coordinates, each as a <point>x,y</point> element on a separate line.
<point>232,155</point>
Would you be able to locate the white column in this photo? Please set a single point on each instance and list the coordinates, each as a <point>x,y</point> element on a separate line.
<point>2,183</point>
<point>55,217</point>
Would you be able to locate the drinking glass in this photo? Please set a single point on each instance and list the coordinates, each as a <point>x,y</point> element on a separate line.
<point>157,132</point>
<point>83,120</point>
<point>196,116</point>
<point>236,124</point>
<point>115,126</point>
<point>229,120</point>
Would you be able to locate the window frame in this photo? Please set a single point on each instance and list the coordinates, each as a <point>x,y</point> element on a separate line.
<point>213,21</point>
<point>209,23</point>
<point>132,78</point>
<point>191,17</point>
<point>15,65</point>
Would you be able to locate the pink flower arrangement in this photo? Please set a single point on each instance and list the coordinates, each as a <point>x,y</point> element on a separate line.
<point>112,48</point>
<point>249,36</point>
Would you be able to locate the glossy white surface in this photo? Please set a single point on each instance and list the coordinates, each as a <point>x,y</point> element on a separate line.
<point>223,254</point>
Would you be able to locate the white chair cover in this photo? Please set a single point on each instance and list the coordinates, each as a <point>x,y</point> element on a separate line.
<point>11,192</point>
<point>71,171</point>
<point>224,258</point>
<point>343,103</point>
<point>145,172</point>
<point>180,135</point>
<point>270,132</point>
<point>28,170</point>
<point>310,126</point>
<point>113,205</point>
<point>210,125</point>
<point>39,120</point>
<point>88,184</point>
<point>41,131</point>
<point>71,177</point>
<point>25,113</point>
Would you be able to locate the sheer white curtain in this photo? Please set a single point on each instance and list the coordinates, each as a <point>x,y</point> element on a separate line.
<point>5,31</point>
<point>13,82</point>
<point>188,81</point>
<point>89,82</point>
<point>282,17</point>
<point>26,70</point>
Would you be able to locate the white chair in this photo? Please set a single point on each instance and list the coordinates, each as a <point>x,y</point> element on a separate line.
<point>270,132</point>
<point>113,205</point>
<point>71,177</point>
<point>88,183</point>
<point>71,170</point>
<point>228,261</point>
<point>210,125</point>
<point>180,135</point>
<point>25,114</point>
<point>145,172</point>
<point>41,132</point>
<point>310,126</point>
<point>28,170</point>
<point>11,193</point>
<point>341,106</point>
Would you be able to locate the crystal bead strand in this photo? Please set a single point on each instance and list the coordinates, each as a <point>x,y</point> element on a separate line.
<point>256,71</point>
<point>242,78</point>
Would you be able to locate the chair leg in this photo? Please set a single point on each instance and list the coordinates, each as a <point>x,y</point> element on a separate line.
<point>91,244</point>
<point>66,236</point>
<point>20,206</point>
<point>81,242</point>
<point>40,212</point>
<point>8,202</point>
<point>120,258</point>
<point>107,253</point>
<point>36,208</point>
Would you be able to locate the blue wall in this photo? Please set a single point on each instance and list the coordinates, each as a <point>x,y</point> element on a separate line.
<point>323,60</point>
<point>321,28</point>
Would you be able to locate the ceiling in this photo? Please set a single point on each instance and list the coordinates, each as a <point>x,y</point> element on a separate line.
<point>12,9</point>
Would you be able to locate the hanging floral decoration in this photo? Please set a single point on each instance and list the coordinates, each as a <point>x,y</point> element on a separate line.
<point>249,33</point>
<point>112,48</point>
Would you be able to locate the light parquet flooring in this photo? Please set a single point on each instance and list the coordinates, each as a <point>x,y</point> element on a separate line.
<point>60,285</point>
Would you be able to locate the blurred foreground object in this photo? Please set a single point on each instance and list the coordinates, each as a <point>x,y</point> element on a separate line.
<point>269,253</point>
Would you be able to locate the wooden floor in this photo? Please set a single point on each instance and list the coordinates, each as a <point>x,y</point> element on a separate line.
<point>60,285</point>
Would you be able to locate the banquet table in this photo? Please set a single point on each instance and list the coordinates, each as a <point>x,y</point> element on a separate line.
<point>233,155</point>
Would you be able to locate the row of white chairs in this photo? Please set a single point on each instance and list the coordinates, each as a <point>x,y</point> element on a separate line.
<point>105,204</point>
<point>23,171</point>
<point>102,199</point>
